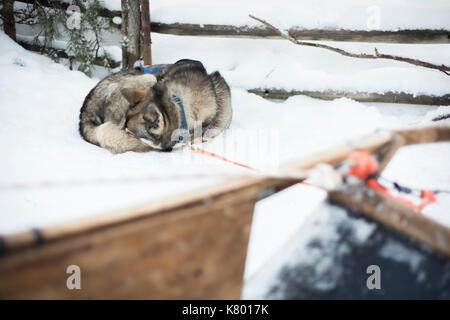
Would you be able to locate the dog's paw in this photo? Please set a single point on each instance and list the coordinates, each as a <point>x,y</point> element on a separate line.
<point>111,137</point>
<point>148,79</point>
<point>104,131</point>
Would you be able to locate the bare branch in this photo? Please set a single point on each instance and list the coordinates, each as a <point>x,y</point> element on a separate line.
<point>442,117</point>
<point>377,54</point>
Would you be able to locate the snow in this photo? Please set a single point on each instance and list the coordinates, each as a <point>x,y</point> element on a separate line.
<point>279,64</point>
<point>40,103</point>
<point>117,20</point>
<point>275,216</point>
<point>114,51</point>
<point>401,254</point>
<point>303,14</point>
<point>407,170</point>
<point>42,115</point>
<point>436,114</point>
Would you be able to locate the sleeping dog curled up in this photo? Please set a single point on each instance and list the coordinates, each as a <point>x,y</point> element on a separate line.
<point>131,111</point>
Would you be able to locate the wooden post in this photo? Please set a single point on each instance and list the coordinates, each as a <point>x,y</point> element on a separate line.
<point>131,33</point>
<point>134,32</point>
<point>146,39</point>
<point>124,4</point>
<point>9,25</point>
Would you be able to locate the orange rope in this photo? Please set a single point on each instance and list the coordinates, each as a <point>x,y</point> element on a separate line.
<point>365,166</point>
<point>428,197</point>
<point>214,155</point>
<point>201,151</point>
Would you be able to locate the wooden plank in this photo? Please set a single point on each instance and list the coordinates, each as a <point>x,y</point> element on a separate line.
<point>7,14</point>
<point>407,137</point>
<point>424,134</point>
<point>401,36</point>
<point>124,33</point>
<point>388,97</point>
<point>191,253</point>
<point>395,215</point>
<point>146,41</point>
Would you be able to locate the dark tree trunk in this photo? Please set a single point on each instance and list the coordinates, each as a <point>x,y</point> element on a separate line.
<point>9,25</point>
<point>146,40</point>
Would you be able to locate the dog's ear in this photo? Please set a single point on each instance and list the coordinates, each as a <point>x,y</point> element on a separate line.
<point>133,96</point>
<point>152,115</point>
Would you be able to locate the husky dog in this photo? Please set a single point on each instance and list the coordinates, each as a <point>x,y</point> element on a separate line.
<point>131,111</point>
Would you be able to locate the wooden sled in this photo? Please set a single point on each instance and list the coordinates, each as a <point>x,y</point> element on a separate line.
<point>192,246</point>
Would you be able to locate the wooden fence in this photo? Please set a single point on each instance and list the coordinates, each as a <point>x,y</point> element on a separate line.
<point>402,36</point>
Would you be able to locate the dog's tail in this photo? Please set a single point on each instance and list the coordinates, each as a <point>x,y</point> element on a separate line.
<point>223,96</point>
<point>87,131</point>
<point>89,122</point>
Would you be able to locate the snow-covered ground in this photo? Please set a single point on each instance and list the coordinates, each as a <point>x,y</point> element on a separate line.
<point>39,110</point>
<point>305,14</point>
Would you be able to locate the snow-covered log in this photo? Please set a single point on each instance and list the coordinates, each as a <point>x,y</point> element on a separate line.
<point>393,97</point>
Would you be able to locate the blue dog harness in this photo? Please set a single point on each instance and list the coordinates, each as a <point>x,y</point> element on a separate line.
<point>176,99</point>
<point>179,103</point>
<point>153,71</point>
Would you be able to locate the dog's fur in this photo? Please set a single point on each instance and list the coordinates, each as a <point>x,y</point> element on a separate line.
<point>128,111</point>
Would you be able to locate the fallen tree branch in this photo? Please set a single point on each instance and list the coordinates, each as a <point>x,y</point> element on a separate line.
<point>442,117</point>
<point>377,55</point>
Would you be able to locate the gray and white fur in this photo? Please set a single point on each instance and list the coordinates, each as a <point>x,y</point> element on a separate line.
<point>130,111</point>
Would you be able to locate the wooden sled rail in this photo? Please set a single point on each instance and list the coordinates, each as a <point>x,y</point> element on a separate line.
<point>395,215</point>
<point>425,135</point>
<point>390,212</point>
